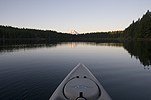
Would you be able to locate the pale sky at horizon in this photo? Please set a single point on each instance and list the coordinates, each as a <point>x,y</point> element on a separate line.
<point>64,15</point>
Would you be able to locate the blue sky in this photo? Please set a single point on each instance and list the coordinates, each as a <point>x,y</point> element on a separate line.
<point>65,15</point>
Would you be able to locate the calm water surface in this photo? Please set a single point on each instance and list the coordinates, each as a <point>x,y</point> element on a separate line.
<point>33,71</point>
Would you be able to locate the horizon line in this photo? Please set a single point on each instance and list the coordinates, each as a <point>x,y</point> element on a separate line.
<point>59,31</point>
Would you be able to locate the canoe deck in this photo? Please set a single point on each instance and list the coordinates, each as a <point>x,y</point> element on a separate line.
<point>80,84</point>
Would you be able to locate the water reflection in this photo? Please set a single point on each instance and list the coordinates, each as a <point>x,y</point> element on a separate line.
<point>15,45</point>
<point>138,49</point>
<point>146,67</point>
<point>33,74</point>
<point>72,44</point>
<point>103,44</point>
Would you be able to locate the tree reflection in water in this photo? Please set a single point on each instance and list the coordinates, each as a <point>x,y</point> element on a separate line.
<point>139,49</point>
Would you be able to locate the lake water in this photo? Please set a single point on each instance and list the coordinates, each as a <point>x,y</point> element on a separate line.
<point>33,70</point>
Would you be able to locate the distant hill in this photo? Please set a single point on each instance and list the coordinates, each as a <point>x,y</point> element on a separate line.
<point>139,29</point>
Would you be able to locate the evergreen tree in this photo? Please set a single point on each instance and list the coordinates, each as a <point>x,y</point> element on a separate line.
<point>139,29</point>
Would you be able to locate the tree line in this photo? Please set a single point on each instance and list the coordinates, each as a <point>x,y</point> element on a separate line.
<point>100,35</point>
<point>139,29</point>
<point>8,32</point>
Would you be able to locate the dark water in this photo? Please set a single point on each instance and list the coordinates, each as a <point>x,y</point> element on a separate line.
<point>33,70</point>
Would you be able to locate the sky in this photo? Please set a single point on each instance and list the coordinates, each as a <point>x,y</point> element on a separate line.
<point>84,16</point>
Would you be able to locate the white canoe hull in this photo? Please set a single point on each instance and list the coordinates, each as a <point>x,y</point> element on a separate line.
<point>80,84</point>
